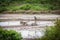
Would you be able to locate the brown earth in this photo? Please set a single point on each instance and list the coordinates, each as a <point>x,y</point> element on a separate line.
<point>34,12</point>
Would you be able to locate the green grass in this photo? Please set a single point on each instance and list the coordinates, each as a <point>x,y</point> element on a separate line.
<point>30,7</point>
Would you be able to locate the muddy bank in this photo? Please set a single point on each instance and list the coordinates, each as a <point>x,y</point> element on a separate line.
<point>33,12</point>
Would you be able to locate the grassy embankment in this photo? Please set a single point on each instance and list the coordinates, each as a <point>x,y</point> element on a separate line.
<point>12,5</point>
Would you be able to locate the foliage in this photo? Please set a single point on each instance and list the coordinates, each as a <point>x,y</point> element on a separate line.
<point>52,33</point>
<point>2,9</point>
<point>7,3</point>
<point>31,7</point>
<point>9,35</point>
<point>57,23</point>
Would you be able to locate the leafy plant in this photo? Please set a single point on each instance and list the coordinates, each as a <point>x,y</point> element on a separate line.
<point>9,35</point>
<point>53,32</point>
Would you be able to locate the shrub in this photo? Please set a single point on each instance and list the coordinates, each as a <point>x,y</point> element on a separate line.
<point>7,3</point>
<point>9,35</point>
<point>2,9</point>
<point>25,7</point>
<point>35,7</point>
<point>53,32</point>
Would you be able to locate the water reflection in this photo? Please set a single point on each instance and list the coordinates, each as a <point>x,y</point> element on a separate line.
<point>39,23</point>
<point>28,32</point>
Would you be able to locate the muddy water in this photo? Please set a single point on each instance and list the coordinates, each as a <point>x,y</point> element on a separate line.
<point>39,23</point>
<point>29,32</point>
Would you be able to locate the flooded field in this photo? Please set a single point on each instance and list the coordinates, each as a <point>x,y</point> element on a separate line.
<point>27,31</point>
<point>39,23</point>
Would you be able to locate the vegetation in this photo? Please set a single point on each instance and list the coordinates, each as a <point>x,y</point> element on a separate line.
<point>52,33</point>
<point>9,35</point>
<point>29,5</point>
